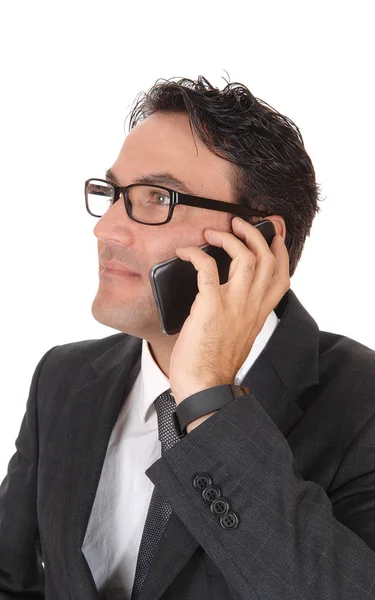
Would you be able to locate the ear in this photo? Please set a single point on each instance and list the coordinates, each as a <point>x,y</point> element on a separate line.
<point>279,225</point>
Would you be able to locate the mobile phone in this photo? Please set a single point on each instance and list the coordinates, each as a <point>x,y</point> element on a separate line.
<point>174,282</point>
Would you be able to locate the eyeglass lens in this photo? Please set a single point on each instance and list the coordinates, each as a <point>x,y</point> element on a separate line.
<point>149,204</point>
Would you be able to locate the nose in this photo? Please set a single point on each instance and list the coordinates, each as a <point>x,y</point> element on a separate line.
<point>115,224</point>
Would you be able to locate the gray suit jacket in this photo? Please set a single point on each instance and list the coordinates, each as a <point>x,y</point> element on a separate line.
<point>294,460</point>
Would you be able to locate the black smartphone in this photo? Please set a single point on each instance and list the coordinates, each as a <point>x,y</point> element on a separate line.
<point>174,282</point>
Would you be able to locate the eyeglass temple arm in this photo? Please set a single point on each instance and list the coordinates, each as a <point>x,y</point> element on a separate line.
<point>217,205</point>
<point>103,190</point>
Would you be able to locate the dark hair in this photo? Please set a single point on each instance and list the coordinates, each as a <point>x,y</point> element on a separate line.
<point>271,168</point>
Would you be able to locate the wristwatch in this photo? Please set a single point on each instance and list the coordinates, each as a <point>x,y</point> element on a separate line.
<point>204,402</point>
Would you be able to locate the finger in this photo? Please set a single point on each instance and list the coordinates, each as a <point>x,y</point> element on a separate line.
<point>250,235</point>
<point>207,274</point>
<point>271,281</point>
<point>242,266</point>
<point>272,261</point>
<point>255,264</point>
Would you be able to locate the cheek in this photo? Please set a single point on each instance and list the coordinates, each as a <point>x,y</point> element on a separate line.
<point>191,235</point>
<point>185,232</point>
<point>167,239</point>
<point>210,219</point>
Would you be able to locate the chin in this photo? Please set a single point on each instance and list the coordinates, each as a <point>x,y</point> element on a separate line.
<point>128,317</point>
<point>100,314</point>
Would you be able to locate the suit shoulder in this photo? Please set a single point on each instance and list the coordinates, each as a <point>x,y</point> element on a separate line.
<point>346,350</point>
<point>83,351</point>
<point>348,362</point>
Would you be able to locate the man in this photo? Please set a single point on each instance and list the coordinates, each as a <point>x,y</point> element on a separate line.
<point>269,492</point>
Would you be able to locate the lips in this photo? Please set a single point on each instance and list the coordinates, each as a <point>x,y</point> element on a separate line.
<point>116,267</point>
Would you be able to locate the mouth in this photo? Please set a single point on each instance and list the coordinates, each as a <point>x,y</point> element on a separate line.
<point>111,272</point>
<point>112,268</point>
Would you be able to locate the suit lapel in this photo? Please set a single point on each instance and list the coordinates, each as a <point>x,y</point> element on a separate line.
<point>95,407</point>
<point>287,365</point>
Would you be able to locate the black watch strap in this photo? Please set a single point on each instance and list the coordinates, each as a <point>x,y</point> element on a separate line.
<point>204,402</point>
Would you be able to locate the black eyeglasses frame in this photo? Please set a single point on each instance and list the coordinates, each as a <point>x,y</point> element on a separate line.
<point>176,198</point>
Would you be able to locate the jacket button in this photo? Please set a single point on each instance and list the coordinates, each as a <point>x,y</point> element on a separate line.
<point>211,493</point>
<point>229,521</point>
<point>220,506</point>
<point>201,481</point>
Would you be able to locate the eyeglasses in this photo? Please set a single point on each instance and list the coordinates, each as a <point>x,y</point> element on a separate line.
<point>152,204</point>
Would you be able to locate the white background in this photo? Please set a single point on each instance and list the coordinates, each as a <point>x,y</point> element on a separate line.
<point>70,72</point>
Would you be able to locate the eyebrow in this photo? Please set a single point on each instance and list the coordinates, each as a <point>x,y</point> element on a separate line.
<point>160,178</point>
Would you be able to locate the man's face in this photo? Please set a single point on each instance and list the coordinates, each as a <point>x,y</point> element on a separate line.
<point>162,143</point>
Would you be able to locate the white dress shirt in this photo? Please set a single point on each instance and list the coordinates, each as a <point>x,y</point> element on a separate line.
<point>118,515</point>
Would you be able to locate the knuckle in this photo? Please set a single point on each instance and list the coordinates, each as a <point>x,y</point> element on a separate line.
<point>270,264</point>
<point>271,258</point>
<point>250,257</point>
<point>248,273</point>
<point>209,278</point>
<point>209,259</point>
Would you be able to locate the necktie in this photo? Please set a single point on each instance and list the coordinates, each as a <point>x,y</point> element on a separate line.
<point>159,510</point>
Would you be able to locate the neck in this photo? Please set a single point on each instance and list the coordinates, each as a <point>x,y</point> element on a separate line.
<point>161,351</point>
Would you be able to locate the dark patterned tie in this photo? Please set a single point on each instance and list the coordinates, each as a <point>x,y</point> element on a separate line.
<point>159,510</point>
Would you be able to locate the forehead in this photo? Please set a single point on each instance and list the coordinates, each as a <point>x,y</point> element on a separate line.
<point>165,142</point>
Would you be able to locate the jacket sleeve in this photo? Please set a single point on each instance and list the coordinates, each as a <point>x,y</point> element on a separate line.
<point>21,569</point>
<point>288,542</point>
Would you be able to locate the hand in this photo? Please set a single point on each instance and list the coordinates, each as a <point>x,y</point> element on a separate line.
<point>225,319</point>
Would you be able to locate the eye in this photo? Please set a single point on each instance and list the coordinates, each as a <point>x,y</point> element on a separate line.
<point>161,198</point>
<point>154,196</point>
